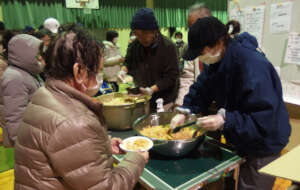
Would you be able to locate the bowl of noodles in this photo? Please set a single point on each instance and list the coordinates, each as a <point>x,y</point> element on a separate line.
<point>157,128</point>
<point>136,143</point>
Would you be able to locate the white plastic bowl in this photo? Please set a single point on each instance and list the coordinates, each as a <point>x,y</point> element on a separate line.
<point>131,140</point>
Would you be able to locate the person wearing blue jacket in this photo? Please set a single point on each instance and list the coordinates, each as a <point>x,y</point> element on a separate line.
<point>248,93</point>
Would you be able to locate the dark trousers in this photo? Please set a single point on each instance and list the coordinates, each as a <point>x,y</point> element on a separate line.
<point>251,179</point>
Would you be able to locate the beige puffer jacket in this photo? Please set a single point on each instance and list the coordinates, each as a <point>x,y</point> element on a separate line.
<point>189,76</point>
<point>62,144</point>
<point>112,66</point>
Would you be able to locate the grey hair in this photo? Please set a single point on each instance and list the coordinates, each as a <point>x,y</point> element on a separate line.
<point>198,7</point>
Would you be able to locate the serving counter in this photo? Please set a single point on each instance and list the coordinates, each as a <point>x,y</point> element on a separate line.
<point>204,164</point>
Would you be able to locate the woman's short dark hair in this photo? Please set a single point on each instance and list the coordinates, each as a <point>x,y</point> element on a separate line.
<point>7,35</point>
<point>110,35</point>
<point>42,33</point>
<point>68,48</point>
<point>178,34</point>
<point>236,27</point>
<point>219,31</point>
<point>233,28</point>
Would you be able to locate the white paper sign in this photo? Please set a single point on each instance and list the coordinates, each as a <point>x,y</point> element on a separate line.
<point>291,92</point>
<point>254,22</point>
<point>292,54</point>
<point>280,18</point>
<point>83,4</point>
<point>238,15</point>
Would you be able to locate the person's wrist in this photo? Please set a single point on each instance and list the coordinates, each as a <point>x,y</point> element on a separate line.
<point>222,113</point>
<point>150,90</point>
<point>155,88</point>
<point>184,111</point>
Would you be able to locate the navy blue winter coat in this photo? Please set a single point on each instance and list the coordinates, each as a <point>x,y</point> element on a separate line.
<point>246,84</point>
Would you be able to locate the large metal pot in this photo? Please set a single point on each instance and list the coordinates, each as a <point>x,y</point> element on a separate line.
<point>121,117</point>
<point>171,148</point>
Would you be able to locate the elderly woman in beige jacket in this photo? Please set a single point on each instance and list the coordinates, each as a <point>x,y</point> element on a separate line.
<point>63,141</point>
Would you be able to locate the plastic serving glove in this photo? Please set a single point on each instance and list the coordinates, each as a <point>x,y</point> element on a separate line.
<point>178,119</point>
<point>211,122</point>
<point>146,90</point>
<point>183,110</point>
<point>122,75</point>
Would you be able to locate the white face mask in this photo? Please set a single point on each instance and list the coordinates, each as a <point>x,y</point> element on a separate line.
<point>208,58</point>
<point>115,40</point>
<point>45,49</point>
<point>132,38</point>
<point>92,91</point>
<point>178,40</point>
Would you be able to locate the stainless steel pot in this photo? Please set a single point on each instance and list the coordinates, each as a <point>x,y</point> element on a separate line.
<point>172,148</point>
<point>121,117</point>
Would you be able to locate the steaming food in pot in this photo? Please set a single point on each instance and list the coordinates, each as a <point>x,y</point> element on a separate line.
<point>124,100</point>
<point>162,132</point>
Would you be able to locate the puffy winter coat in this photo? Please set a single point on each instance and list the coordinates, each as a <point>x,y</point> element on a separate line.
<point>63,144</point>
<point>112,66</point>
<point>18,83</point>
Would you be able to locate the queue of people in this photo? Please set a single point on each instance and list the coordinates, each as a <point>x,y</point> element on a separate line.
<point>220,66</point>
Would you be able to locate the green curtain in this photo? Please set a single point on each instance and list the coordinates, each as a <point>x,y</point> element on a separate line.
<point>173,13</point>
<point>111,14</point>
